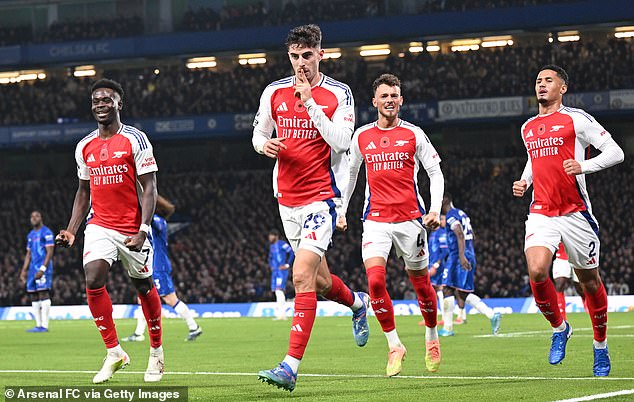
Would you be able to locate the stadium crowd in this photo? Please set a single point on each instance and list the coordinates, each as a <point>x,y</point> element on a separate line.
<point>251,14</point>
<point>294,12</point>
<point>178,91</point>
<point>221,255</point>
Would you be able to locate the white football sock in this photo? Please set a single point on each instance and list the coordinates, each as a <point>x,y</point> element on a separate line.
<point>292,362</point>
<point>156,351</point>
<point>447,312</point>
<point>600,345</point>
<point>393,339</point>
<point>140,322</point>
<point>357,304</point>
<point>475,302</point>
<point>431,334</point>
<point>45,306</point>
<point>280,298</point>
<point>441,299</point>
<point>560,328</point>
<point>37,313</point>
<point>116,351</point>
<point>186,314</point>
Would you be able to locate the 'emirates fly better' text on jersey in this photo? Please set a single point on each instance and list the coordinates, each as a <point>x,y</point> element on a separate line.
<point>112,166</point>
<point>392,158</point>
<point>550,140</point>
<point>308,170</point>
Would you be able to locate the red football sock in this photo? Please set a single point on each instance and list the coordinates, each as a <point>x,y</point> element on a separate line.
<point>546,299</point>
<point>426,299</point>
<point>151,305</point>
<point>101,309</point>
<point>380,298</point>
<point>339,292</point>
<point>598,309</point>
<point>561,303</point>
<point>303,320</point>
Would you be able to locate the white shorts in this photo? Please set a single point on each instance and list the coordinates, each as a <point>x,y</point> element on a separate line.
<point>562,269</point>
<point>409,239</point>
<point>107,244</point>
<point>310,226</point>
<point>577,231</point>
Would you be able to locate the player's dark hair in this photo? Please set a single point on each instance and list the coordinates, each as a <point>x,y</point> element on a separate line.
<point>387,79</point>
<point>106,83</point>
<point>274,232</point>
<point>561,73</point>
<point>304,35</point>
<point>448,196</point>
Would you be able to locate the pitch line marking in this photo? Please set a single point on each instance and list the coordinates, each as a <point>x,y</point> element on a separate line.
<point>524,333</point>
<point>430,377</point>
<point>599,396</point>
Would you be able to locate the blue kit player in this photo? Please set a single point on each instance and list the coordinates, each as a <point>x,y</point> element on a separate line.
<point>280,260</point>
<point>37,270</point>
<point>460,269</point>
<point>438,252</point>
<point>162,274</point>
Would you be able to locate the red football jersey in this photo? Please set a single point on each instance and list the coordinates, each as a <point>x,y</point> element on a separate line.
<point>112,166</point>
<point>308,170</point>
<point>550,139</point>
<point>392,157</point>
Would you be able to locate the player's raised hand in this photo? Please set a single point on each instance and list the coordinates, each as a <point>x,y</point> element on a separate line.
<point>302,86</point>
<point>342,224</point>
<point>519,188</point>
<point>135,242</point>
<point>572,167</point>
<point>65,239</point>
<point>431,220</point>
<point>273,147</point>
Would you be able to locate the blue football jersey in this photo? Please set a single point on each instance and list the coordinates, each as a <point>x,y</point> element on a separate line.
<point>36,242</point>
<point>438,248</point>
<point>458,217</point>
<point>159,244</point>
<point>280,253</point>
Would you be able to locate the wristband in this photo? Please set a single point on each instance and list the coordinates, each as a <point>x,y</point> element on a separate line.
<point>144,228</point>
<point>43,268</point>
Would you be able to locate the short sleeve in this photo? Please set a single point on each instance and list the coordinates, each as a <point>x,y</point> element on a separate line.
<point>143,155</point>
<point>49,240</point>
<point>82,169</point>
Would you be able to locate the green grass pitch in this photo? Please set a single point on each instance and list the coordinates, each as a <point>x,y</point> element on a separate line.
<point>475,367</point>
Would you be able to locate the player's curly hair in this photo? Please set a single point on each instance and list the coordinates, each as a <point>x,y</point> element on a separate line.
<point>561,73</point>
<point>387,79</point>
<point>107,83</point>
<point>304,35</point>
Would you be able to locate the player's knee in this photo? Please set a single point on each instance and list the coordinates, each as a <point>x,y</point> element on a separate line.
<point>302,280</point>
<point>94,280</point>
<point>538,273</point>
<point>143,286</point>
